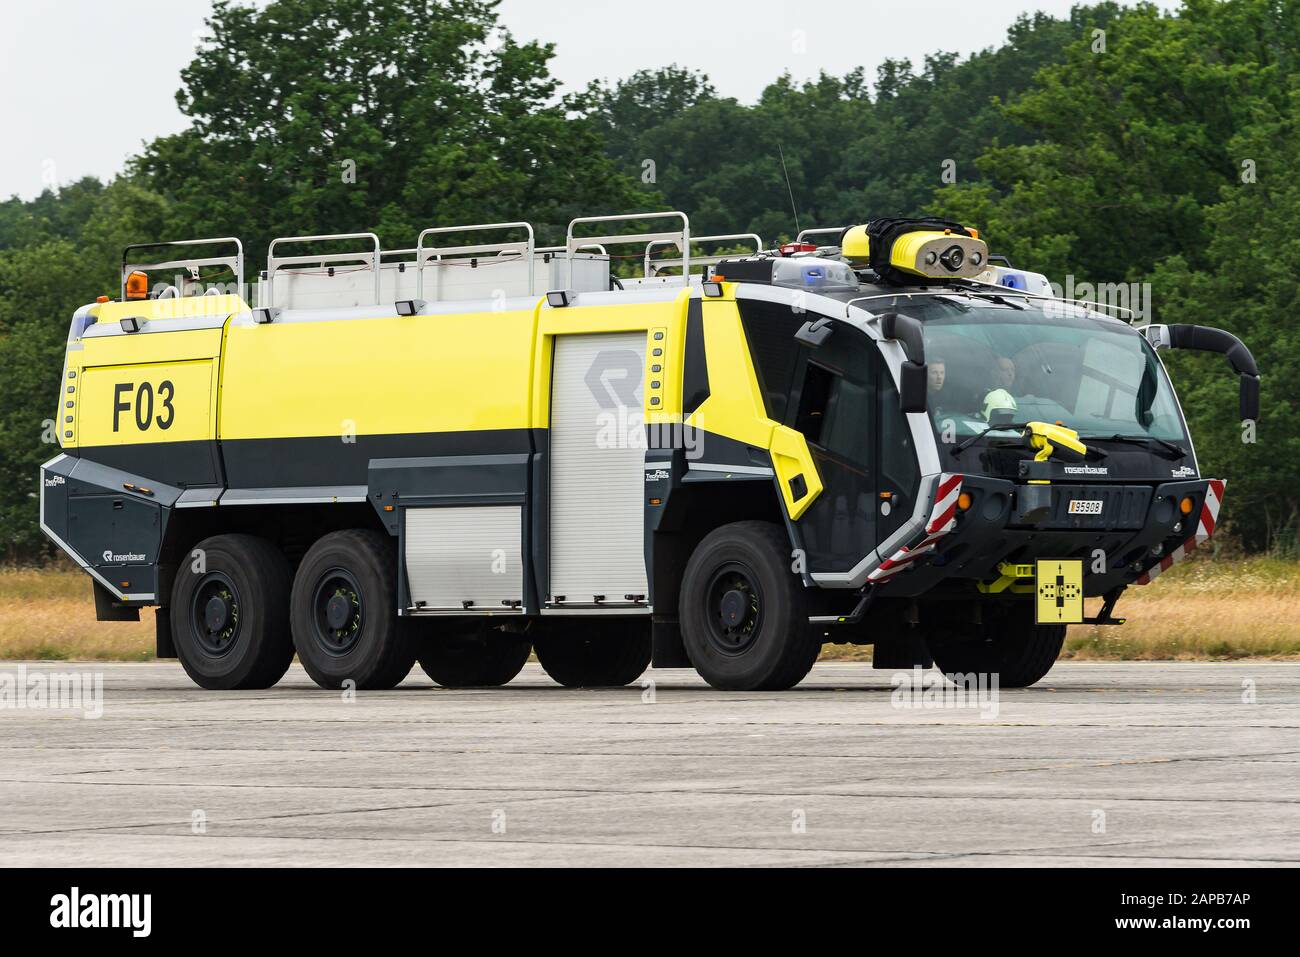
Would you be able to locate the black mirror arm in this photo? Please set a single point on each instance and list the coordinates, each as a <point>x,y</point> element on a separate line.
<point>1209,339</point>
<point>908,332</point>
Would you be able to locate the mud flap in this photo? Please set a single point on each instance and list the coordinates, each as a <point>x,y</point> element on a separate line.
<point>164,647</point>
<point>108,608</point>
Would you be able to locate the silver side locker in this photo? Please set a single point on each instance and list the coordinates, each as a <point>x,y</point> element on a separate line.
<point>597,474</point>
<point>465,558</point>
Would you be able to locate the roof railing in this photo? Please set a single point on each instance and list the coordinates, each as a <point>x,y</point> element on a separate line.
<point>679,238</point>
<point>819,231</point>
<point>701,260</point>
<point>525,248</point>
<point>275,263</point>
<point>234,263</point>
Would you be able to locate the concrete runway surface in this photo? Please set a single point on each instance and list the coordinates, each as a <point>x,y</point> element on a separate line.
<point>1100,764</point>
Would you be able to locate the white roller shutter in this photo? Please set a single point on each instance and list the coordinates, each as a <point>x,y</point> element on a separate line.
<point>597,468</point>
<point>457,554</point>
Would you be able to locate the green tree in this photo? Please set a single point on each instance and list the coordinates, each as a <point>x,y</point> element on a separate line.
<point>41,285</point>
<point>1135,174</point>
<point>322,116</point>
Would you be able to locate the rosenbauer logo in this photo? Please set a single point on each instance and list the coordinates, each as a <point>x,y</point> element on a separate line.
<point>111,559</point>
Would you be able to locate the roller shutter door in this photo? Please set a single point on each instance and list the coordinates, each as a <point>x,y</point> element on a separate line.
<point>597,479</point>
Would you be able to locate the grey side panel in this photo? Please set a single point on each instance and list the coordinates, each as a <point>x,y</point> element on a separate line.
<point>111,533</point>
<point>450,479</point>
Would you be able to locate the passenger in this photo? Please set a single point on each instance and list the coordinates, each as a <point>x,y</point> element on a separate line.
<point>1000,397</point>
<point>938,372</point>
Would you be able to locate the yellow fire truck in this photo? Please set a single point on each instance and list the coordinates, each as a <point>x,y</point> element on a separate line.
<point>477,447</point>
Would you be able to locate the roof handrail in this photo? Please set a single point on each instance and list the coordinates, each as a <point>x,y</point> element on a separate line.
<point>681,239</point>
<point>819,231</point>
<point>526,248</point>
<point>273,262</point>
<point>234,263</point>
<point>702,260</point>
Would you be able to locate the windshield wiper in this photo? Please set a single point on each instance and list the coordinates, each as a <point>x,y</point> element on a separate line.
<point>962,447</point>
<point>1174,451</point>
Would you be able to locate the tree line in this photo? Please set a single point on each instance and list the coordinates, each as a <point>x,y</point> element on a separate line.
<point>1115,145</point>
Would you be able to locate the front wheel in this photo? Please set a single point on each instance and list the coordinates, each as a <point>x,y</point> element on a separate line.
<point>344,612</point>
<point>743,613</point>
<point>1018,651</point>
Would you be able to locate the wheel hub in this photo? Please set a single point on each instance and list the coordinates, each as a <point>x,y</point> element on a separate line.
<point>735,607</point>
<point>216,614</point>
<point>337,611</point>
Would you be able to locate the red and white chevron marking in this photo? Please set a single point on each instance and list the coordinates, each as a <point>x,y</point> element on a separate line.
<point>943,516</point>
<point>1204,529</point>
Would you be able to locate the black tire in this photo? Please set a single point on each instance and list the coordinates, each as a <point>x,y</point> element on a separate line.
<point>344,612</point>
<point>743,611</point>
<point>1018,651</point>
<point>595,653</point>
<point>230,622</point>
<point>474,656</point>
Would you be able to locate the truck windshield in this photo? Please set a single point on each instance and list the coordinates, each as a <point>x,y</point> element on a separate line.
<point>1096,376</point>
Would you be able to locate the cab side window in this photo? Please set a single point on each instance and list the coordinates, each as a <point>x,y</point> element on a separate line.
<point>769,330</point>
<point>835,406</point>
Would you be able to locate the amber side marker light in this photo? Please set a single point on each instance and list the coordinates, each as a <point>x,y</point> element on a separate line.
<point>137,286</point>
<point>964,501</point>
<point>1185,506</point>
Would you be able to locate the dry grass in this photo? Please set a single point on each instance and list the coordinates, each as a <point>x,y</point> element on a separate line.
<point>1200,610</point>
<point>49,613</point>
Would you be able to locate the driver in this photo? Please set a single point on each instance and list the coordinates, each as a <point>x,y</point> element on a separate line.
<point>1000,397</point>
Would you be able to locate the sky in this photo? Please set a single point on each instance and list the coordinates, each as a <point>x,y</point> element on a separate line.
<point>83,83</point>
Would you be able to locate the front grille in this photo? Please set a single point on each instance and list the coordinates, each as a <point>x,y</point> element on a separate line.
<point>1122,506</point>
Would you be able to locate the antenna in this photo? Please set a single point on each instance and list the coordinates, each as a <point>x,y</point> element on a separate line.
<point>789,188</point>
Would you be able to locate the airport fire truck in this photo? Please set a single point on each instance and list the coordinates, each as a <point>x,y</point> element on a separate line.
<point>478,448</point>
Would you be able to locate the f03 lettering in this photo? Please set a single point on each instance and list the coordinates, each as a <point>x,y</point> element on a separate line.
<point>151,406</point>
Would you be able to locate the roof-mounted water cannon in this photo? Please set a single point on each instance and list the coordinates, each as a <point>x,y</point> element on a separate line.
<point>905,251</point>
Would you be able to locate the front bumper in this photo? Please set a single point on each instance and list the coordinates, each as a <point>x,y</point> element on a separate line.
<point>1136,532</point>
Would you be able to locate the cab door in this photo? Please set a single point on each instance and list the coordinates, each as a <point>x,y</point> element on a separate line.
<point>899,469</point>
<point>833,403</point>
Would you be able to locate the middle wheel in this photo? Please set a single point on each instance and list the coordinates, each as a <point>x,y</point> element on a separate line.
<point>594,653</point>
<point>344,612</point>
<point>472,656</point>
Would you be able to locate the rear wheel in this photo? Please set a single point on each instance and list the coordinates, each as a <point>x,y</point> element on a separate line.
<point>473,656</point>
<point>1009,645</point>
<point>743,614</point>
<point>230,613</point>
<point>595,653</point>
<point>344,612</point>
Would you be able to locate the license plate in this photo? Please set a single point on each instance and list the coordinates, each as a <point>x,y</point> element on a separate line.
<point>1085,506</point>
<point>1058,584</point>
